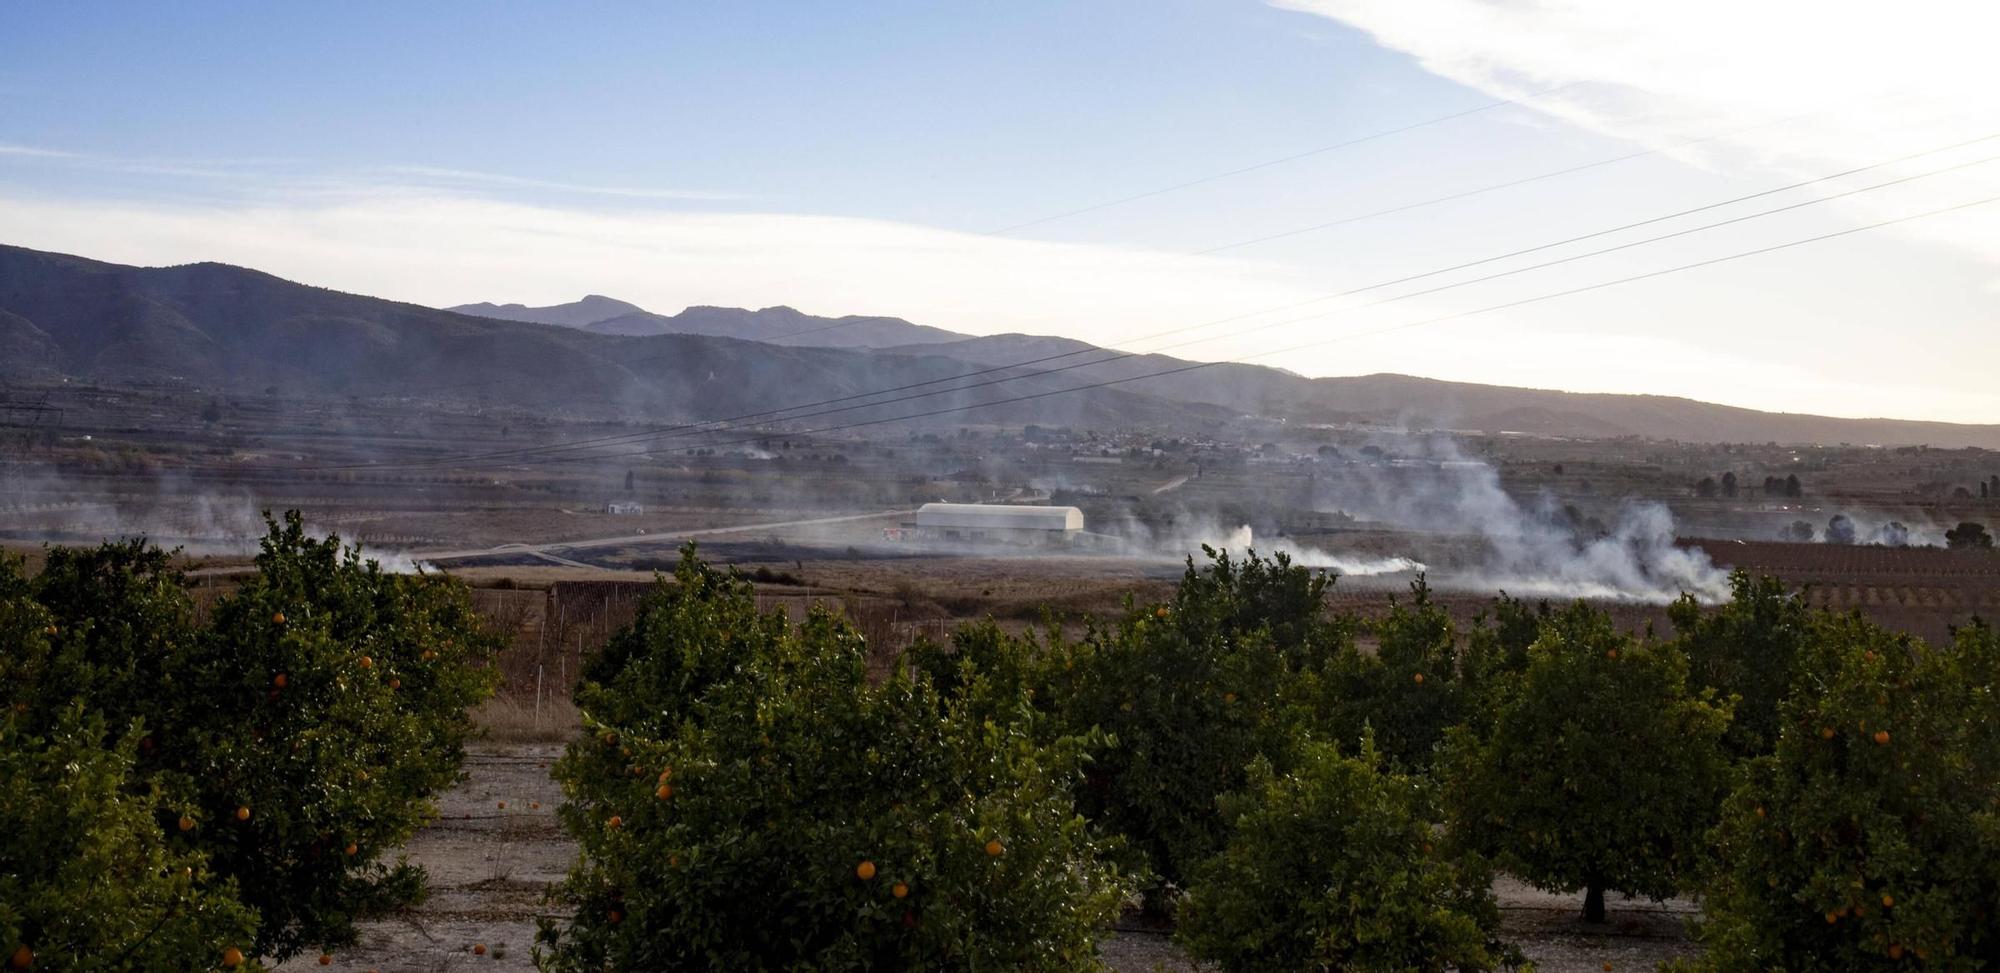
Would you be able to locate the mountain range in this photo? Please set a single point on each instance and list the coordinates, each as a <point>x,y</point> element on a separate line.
<point>220,327</point>
<point>773,325</point>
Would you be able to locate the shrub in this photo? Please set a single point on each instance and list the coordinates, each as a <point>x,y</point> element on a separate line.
<point>318,710</point>
<point>1333,867</point>
<point>1600,770</point>
<point>747,799</point>
<point>1871,836</point>
<point>87,880</point>
<point>1746,649</point>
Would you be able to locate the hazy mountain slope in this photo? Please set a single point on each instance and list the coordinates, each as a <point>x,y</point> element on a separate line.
<point>214,326</point>
<point>776,325</point>
<point>1402,400</point>
<point>217,326</point>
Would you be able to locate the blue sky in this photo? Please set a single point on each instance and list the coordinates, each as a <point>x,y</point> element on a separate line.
<point>851,158</point>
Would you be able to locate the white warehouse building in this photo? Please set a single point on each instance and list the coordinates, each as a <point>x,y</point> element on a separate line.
<point>998,523</point>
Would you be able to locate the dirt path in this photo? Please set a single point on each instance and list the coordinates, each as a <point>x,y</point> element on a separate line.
<point>490,866</point>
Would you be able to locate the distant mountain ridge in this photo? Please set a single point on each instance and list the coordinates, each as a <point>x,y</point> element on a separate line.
<point>775,325</point>
<point>219,327</point>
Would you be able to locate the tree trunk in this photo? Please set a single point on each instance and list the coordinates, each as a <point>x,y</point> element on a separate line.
<point>1593,902</point>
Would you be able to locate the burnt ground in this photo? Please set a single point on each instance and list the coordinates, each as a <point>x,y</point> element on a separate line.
<point>490,867</point>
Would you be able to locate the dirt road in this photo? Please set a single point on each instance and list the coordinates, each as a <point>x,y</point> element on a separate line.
<point>543,550</point>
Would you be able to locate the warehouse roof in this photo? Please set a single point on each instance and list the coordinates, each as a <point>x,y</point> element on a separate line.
<point>999,516</point>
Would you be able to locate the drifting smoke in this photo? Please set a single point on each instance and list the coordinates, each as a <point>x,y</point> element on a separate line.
<point>1540,549</point>
<point>174,513</point>
<point>1242,539</point>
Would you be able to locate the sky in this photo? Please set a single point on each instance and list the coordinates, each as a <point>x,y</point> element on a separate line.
<point>1214,179</point>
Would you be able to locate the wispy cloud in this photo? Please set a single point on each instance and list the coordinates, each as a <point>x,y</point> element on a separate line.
<point>1792,86</point>
<point>263,174</point>
<point>475,178</point>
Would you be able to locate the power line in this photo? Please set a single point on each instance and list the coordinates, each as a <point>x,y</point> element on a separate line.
<point>776,414</point>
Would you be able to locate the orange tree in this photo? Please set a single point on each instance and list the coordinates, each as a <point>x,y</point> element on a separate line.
<point>745,798</point>
<point>1746,649</point>
<point>1870,837</point>
<point>1190,692</point>
<point>1409,690</point>
<point>295,736</point>
<point>1333,866</point>
<point>87,879</point>
<point>1600,769</point>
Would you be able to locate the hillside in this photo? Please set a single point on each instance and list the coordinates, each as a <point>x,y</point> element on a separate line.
<point>217,327</point>
<point>774,325</point>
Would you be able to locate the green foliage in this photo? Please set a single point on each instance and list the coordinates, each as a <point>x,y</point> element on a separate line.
<point>1332,867</point>
<point>1600,770</point>
<point>317,708</point>
<point>87,880</point>
<point>1192,692</point>
<point>1497,649</point>
<point>1870,837</point>
<point>740,770</point>
<point>1969,535</point>
<point>1746,649</point>
<point>1408,690</point>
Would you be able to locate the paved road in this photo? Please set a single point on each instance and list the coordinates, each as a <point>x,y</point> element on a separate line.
<point>543,551</point>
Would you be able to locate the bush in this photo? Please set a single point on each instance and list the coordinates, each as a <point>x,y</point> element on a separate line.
<point>1600,769</point>
<point>1746,649</point>
<point>746,799</point>
<point>1333,867</point>
<point>299,734</point>
<point>1871,836</point>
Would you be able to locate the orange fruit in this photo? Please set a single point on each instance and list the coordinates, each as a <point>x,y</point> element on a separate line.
<point>1229,697</point>
<point>277,618</point>
<point>1888,901</point>
<point>615,822</point>
<point>1832,917</point>
<point>186,823</point>
<point>1760,810</point>
<point>1895,951</point>
<point>326,959</point>
<point>430,654</point>
<point>50,631</point>
<point>1826,733</point>
<point>1882,737</point>
<point>502,805</point>
<point>994,849</point>
<point>232,957</point>
<point>1610,654</point>
<point>395,684</point>
<point>665,791</point>
<point>865,871</point>
<point>243,813</point>
<point>22,959</point>
<point>615,916</point>
<point>367,662</point>
<point>351,848</point>
<point>1161,612</point>
<point>278,680</point>
<point>899,890</point>
<point>1419,677</point>
<point>478,949</point>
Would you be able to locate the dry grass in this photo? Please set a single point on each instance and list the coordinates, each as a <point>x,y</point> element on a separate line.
<point>508,718</point>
